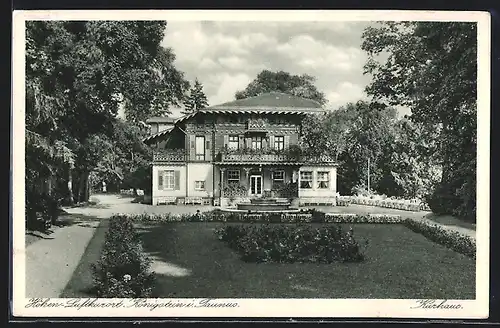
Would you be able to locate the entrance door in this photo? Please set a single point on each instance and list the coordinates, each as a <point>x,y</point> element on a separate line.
<point>256,185</point>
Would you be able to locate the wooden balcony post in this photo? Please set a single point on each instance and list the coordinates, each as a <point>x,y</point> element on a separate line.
<point>247,173</point>
<point>222,170</point>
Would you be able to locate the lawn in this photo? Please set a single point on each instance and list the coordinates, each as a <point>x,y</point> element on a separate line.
<point>191,262</point>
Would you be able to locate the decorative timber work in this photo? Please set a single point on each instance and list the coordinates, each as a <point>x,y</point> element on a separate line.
<point>290,155</point>
<point>170,155</point>
<point>257,124</point>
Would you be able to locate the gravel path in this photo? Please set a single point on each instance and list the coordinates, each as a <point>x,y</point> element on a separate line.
<point>50,262</point>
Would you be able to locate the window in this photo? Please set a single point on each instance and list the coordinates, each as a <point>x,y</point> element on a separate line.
<point>233,142</point>
<point>256,142</point>
<point>199,185</point>
<point>200,148</point>
<point>323,180</point>
<point>169,180</point>
<point>279,176</point>
<point>279,142</point>
<point>306,178</point>
<point>233,176</point>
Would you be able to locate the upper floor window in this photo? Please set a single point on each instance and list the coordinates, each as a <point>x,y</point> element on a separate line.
<point>233,142</point>
<point>256,142</point>
<point>200,148</point>
<point>279,142</point>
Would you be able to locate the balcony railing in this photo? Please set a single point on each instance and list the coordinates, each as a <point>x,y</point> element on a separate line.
<point>271,156</point>
<point>170,155</point>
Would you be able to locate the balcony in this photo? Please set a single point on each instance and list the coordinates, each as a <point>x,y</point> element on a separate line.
<point>269,156</point>
<point>170,155</point>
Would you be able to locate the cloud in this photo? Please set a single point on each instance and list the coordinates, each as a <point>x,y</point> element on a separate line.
<point>227,85</point>
<point>226,56</point>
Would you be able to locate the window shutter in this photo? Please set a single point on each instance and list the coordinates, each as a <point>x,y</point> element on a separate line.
<point>271,142</point>
<point>226,141</point>
<point>287,142</point>
<point>160,180</point>
<point>177,180</point>
<point>208,152</point>
<point>192,147</point>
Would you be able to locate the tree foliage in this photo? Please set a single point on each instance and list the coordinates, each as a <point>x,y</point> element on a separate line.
<point>78,74</point>
<point>297,85</point>
<point>431,67</point>
<point>196,98</point>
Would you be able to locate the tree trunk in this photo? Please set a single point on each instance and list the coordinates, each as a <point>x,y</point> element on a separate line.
<point>71,198</point>
<point>87,189</point>
<point>81,187</point>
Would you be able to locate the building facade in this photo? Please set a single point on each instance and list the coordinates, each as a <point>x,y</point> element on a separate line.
<point>237,151</point>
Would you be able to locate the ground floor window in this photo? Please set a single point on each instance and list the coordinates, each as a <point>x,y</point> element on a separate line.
<point>199,185</point>
<point>306,179</point>
<point>233,176</point>
<point>169,180</point>
<point>278,178</point>
<point>323,180</point>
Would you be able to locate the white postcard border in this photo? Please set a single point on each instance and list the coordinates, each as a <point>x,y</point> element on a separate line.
<point>353,308</point>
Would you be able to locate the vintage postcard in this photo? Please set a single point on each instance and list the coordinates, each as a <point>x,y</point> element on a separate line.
<point>251,164</point>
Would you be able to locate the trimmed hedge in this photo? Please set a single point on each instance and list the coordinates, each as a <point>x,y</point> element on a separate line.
<point>123,270</point>
<point>305,216</point>
<point>290,244</point>
<point>454,240</point>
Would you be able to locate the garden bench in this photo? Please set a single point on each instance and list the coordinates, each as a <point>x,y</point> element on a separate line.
<point>194,200</point>
<point>166,200</point>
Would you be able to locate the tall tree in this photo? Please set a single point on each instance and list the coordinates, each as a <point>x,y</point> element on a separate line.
<point>196,99</point>
<point>297,85</point>
<point>431,67</point>
<point>78,73</point>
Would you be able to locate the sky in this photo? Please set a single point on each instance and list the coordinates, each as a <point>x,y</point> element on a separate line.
<point>225,56</point>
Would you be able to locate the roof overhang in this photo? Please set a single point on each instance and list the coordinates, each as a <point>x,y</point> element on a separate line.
<point>158,135</point>
<point>253,110</point>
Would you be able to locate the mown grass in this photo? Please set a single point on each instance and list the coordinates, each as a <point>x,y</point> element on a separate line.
<point>399,264</point>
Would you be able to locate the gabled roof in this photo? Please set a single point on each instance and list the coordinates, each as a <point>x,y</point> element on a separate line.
<point>272,100</point>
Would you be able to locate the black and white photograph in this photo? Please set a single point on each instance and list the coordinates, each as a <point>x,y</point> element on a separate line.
<point>251,163</point>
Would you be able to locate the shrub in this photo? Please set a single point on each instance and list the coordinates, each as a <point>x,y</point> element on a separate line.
<point>454,240</point>
<point>42,210</point>
<point>288,244</point>
<point>123,270</point>
<point>369,218</point>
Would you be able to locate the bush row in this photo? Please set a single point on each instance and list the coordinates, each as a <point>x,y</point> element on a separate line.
<point>289,244</point>
<point>400,204</point>
<point>305,216</point>
<point>454,240</point>
<point>123,270</point>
